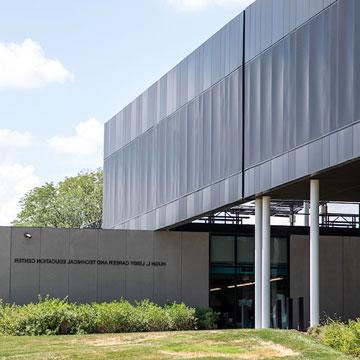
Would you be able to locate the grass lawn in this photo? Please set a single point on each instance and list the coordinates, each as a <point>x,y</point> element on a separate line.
<point>224,344</point>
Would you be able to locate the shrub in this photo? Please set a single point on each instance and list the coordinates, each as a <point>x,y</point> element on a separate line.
<point>80,319</point>
<point>115,317</point>
<point>181,316</point>
<point>206,318</point>
<point>343,337</point>
<point>152,317</point>
<point>43,318</point>
<point>46,317</point>
<point>54,316</point>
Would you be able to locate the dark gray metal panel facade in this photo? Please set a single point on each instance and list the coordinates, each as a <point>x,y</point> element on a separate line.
<point>207,65</point>
<point>177,151</point>
<point>302,100</point>
<point>267,21</point>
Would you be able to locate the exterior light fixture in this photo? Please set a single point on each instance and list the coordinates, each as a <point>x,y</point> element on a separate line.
<point>27,236</point>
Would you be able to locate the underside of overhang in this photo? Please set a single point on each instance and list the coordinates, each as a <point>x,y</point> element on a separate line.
<point>341,183</point>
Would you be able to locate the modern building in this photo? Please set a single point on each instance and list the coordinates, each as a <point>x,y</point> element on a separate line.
<point>265,104</point>
<point>261,121</point>
<point>267,108</point>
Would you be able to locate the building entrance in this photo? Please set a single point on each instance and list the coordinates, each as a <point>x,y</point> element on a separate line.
<point>232,287</point>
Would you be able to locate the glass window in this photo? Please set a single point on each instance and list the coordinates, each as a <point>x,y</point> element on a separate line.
<point>232,289</point>
<point>245,249</point>
<point>279,280</point>
<point>222,249</point>
<point>278,250</point>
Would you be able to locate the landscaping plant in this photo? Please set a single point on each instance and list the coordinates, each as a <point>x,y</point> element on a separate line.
<point>341,336</point>
<point>59,317</point>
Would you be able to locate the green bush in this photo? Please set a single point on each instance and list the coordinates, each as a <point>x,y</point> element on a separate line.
<point>206,318</point>
<point>54,316</point>
<point>46,317</point>
<point>343,337</point>
<point>152,317</point>
<point>117,316</point>
<point>181,317</point>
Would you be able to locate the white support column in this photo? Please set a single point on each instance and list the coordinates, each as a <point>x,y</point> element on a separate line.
<point>266,262</point>
<point>258,262</point>
<point>314,252</point>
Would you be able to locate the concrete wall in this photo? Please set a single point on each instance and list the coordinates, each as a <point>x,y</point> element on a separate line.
<point>161,266</point>
<point>339,276</point>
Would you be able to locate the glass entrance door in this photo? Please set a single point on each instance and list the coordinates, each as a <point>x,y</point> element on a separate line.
<point>232,287</point>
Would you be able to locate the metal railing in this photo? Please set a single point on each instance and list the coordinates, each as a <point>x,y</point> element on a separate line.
<point>291,210</point>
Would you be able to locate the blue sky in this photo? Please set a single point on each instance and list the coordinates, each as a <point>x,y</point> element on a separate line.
<point>67,66</point>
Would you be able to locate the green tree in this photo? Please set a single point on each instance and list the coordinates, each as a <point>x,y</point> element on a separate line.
<point>74,202</point>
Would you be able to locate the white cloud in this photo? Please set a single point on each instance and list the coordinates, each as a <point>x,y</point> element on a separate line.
<point>196,5</point>
<point>88,140</point>
<point>15,181</point>
<point>25,66</point>
<point>13,138</point>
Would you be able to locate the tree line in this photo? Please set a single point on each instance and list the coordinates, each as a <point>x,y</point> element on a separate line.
<point>74,202</point>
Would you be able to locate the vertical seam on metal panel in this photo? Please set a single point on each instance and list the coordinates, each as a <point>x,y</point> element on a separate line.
<point>39,268</point>
<point>68,265</point>
<point>178,269</point>
<point>126,259</point>
<point>243,110</point>
<point>288,244</point>
<point>153,267</point>
<point>10,267</point>
<point>97,264</point>
<point>181,267</point>
<point>236,296</point>
<point>209,265</point>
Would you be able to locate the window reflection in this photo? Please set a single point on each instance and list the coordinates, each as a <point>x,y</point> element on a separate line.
<point>232,279</point>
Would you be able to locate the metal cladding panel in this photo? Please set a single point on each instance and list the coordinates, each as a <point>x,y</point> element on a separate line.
<point>330,150</point>
<point>211,62</point>
<point>192,150</point>
<point>160,147</point>
<point>304,87</point>
<point>279,9</point>
<point>176,152</point>
<point>267,21</point>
